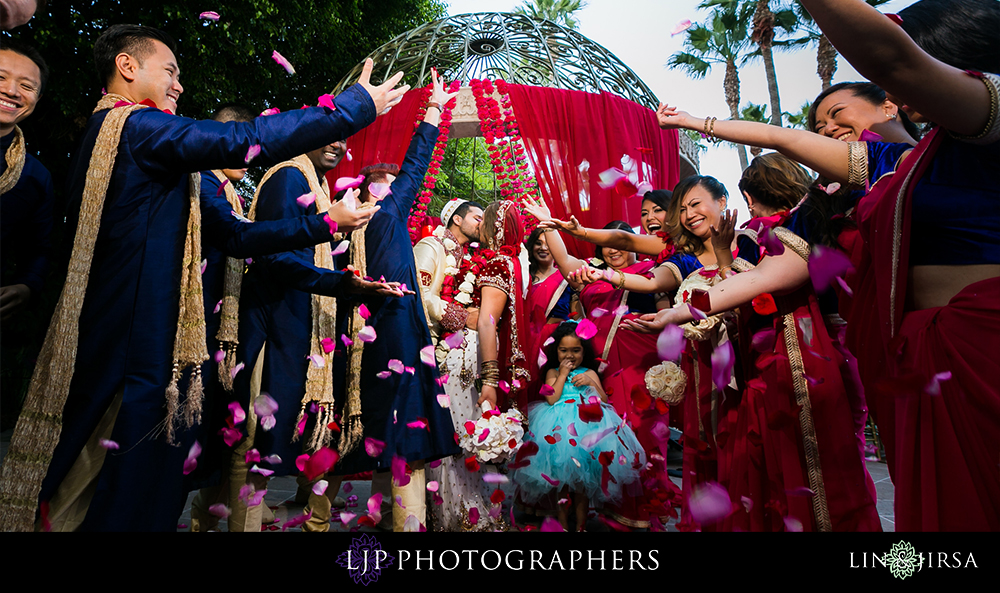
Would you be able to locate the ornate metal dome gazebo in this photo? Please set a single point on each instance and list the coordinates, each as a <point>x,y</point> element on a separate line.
<point>518,49</point>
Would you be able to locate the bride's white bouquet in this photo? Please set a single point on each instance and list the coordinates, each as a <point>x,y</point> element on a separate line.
<point>494,436</point>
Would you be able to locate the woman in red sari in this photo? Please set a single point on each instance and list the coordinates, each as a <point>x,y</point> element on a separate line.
<point>926,343</point>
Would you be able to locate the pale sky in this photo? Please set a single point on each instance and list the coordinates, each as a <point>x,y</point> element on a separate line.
<point>638,32</point>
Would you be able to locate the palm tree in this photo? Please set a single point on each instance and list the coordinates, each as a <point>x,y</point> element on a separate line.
<point>757,113</point>
<point>724,39</point>
<point>826,55</point>
<point>557,11</point>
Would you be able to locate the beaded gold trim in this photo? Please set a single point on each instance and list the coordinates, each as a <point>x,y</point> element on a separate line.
<point>857,164</point>
<point>794,242</point>
<point>991,131</point>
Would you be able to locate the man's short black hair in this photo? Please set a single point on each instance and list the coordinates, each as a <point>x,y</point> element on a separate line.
<point>135,40</point>
<point>462,210</point>
<point>233,112</point>
<point>32,54</point>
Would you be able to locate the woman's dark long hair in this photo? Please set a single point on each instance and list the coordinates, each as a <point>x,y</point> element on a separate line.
<point>826,215</point>
<point>552,350</point>
<point>660,197</point>
<point>530,246</point>
<point>962,33</point>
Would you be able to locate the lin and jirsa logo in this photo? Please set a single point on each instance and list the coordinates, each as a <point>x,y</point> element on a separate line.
<point>365,559</point>
<point>904,561</point>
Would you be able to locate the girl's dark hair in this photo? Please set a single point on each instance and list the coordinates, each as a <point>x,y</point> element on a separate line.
<point>567,328</point>
<point>863,90</point>
<point>775,181</point>
<point>685,240</point>
<point>660,197</point>
<point>621,225</point>
<point>962,33</point>
<point>826,215</point>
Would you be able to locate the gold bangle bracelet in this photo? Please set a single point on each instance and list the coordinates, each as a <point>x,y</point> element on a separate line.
<point>621,275</point>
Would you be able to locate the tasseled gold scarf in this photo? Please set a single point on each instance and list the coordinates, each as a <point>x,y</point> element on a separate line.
<point>319,379</point>
<point>351,429</point>
<point>40,424</point>
<point>229,311</point>
<point>15,162</point>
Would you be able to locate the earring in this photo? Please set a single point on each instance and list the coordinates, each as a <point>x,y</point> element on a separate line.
<point>890,116</point>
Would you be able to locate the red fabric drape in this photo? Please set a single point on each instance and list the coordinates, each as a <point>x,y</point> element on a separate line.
<point>573,136</point>
<point>385,141</point>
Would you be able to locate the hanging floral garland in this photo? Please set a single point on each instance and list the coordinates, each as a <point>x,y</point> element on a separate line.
<point>419,211</point>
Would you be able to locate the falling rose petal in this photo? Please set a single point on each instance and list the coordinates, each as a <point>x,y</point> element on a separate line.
<point>571,429</point>
<point>454,340</point>
<point>411,370</point>
<point>832,188</point>
<point>367,334</point>
<point>483,435</point>
<point>709,502</point>
<point>319,488</point>
<point>326,100</point>
<point>598,313</point>
<point>268,422</point>
<point>610,178</point>
<point>346,518</point>
<point>280,59</point>
<point>301,428</point>
<point>670,344</point>
<point>793,525</point>
<point>264,405</point>
<point>747,503</point>
<point>473,515</point>
<point>252,456</point>
<point>300,461</point>
<point>320,463</point>
<point>681,27</point>
<point>433,486</point>
<point>550,480</point>
<point>399,475</point>
<point>296,521</point>
<point>419,424</point>
<point>764,340</point>
<point>270,111</point>
<point>272,459</point>
<point>546,390</point>
<point>700,300</point>
<point>723,360</point>
<point>317,360</point>
<point>219,356</point>
<point>934,387</point>
<point>374,447</point>
<point>204,265</point>
<point>384,375</point>
<point>218,307</point>
<point>209,15</point>
<point>343,183</point>
<point>109,444</point>
<point>771,243</point>
<point>586,329</point>
<point>347,341</point>
<point>800,491</point>
<point>825,264</point>
<point>412,523</point>
<point>542,359</point>
<point>592,438</point>
<point>696,313</point>
<point>396,366</point>
<point>548,341</point>
<point>219,510</point>
<point>843,286</point>
<point>192,458</point>
<point>306,200</point>
<point>379,190</point>
<point>328,345</point>
<point>252,153</point>
<point>259,470</point>
<point>364,312</point>
<point>427,356</point>
<point>551,524</point>
<point>340,248</point>
<point>349,156</point>
<point>806,327</point>
<point>495,478</point>
<point>444,400</point>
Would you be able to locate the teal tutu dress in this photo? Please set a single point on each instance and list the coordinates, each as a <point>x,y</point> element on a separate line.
<point>561,436</point>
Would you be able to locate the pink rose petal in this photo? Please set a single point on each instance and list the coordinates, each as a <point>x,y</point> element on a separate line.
<point>934,387</point>
<point>317,360</point>
<point>473,516</point>
<point>793,525</point>
<point>340,248</point>
<point>681,27</point>
<point>542,359</point>
<point>586,329</point>
<point>454,340</point>
<point>209,15</point>
<point>272,459</point>
<point>399,475</point>
<point>306,200</point>
<point>231,435</point>
<point>396,366</point>
<point>259,470</point>
<point>610,178</point>
<point>252,456</point>
<point>427,356</point>
<point>347,341</point>
<point>433,486</point>
<point>592,438</point>
<point>204,265</point>
<point>495,478</point>
<point>328,345</point>
<point>268,422</point>
<point>419,424</point>
<point>192,458</point>
<point>319,488</point>
<point>723,360</point>
<point>300,461</point>
<point>771,243</point>
<point>383,374</point>
<point>280,59</point>
<point>296,521</point>
<point>696,313</point>
<point>219,510</point>
<point>367,334</point>
<point>551,524</point>
<point>346,518</point>
<point>252,153</point>
<point>326,100</point>
<point>374,447</point>
<point>444,400</point>
<point>598,313</point>
<point>320,463</point>
<point>670,344</point>
<point>264,405</point>
<point>270,111</point>
<point>218,307</point>
<point>379,190</point>
<point>550,480</point>
<point>709,502</point>
<point>826,264</point>
<point>219,356</point>
<point>546,390</point>
<point>364,312</point>
<point>108,444</point>
<point>343,183</point>
<point>411,370</point>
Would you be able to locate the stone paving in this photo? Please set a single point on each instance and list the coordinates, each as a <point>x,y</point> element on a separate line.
<point>281,497</point>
